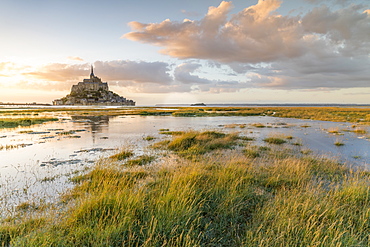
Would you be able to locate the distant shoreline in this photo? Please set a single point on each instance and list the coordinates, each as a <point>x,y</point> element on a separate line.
<point>264,105</point>
<point>211,105</point>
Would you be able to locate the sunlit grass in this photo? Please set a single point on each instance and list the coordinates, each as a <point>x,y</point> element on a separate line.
<point>123,154</point>
<point>338,143</point>
<point>224,195</point>
<point>334,114</point>
<point>16,122</point>
<point>274,140</point>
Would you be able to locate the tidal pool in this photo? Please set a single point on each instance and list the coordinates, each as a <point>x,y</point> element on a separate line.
<point>36,162</point>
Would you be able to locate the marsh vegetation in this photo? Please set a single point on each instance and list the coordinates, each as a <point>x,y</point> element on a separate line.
<point>334,114</point>
<point>203,188</point>
<point>16,122</point>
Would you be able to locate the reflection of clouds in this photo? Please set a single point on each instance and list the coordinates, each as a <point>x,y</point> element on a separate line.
<point>94,122</point>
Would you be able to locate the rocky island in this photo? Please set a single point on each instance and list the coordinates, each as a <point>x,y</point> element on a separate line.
<point>93,91</point>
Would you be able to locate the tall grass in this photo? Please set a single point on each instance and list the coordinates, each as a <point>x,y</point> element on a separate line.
<point>224,197</point>
<point>15,122</point>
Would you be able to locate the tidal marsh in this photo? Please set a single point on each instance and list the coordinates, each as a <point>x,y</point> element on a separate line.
<point>223,196</point>
<point>334,114</point>
<point>199,187</point>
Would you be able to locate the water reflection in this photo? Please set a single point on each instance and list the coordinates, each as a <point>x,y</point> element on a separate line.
<point>48,154</point>
<point>94,124</point>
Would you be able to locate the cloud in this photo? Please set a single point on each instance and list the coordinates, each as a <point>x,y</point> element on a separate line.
<point>183,74</point>
<point>324,48</point>
<point>139,72</point>
<point>152,88</point>
<point>307,72</point>
<point>339,2</point>
<point>58,72</point>
<point>253,35</point>
<point>344,29</point>
<point>190,13</point>
<point>117,70</point>
<point>258,34</point>
<point>75,58</point>
<point>11,68</point>
<point>133,74</point>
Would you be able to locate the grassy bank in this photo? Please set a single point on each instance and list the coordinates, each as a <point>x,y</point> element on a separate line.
<point>335,114</point>
<point>18,122</point>
<point>204,189</point>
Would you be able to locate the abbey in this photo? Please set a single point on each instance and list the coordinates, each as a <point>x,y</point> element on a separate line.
<point>92,91</point>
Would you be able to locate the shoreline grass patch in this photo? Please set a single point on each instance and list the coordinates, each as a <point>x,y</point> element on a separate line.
<point>141,160</point>
<point>193,143</point>
<point>274,140</point>
<point>122,155</point>
<point>17,122</point>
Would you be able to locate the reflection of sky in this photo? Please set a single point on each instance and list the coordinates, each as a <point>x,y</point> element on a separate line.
<point>105,132</point>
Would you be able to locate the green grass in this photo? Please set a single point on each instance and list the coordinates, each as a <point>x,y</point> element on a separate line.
<point>17,122</point>
<point>123,154</point>
<point>274,140</point>
<point>140,161</point>
<point>224,197</point>
<point>149,138</point>
<point>192,144</point>
<point>338,143</point>
<point>335,114</point>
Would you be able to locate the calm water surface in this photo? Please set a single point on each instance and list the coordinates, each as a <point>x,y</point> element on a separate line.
<point>45,158</point>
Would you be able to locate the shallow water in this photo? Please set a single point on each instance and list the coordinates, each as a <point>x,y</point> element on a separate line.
<point>41,158</point>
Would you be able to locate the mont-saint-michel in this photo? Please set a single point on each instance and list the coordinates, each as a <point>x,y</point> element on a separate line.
<point>93,91</point>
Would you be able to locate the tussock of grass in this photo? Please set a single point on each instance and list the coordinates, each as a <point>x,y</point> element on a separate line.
<point>359,131</point>
<point>258,125</point>
<point>226,198</point>
<point>195,143</point>
<point>172,133</point>
<point>233,126</point>
<point>16,122</point>
<point>149,138</point>
<point>255,151</point>
<point>123,154</point>
<point>333,130</point>
<point>69,132</point>
<point>338,143</point>
<point>274,140</point>
<point>140,161</point>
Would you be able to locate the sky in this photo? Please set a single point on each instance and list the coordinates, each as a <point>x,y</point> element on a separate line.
<point>188,51</point>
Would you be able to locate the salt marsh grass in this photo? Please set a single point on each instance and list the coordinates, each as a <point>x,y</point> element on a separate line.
<point>16,122</point>
<point>122,155</point>
<point>206,190</point>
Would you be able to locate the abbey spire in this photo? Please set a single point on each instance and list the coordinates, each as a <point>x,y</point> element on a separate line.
<point>92,72</point>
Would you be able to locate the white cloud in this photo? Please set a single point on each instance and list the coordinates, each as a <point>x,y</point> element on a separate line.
<point>75,58</point>
<point>183,74</point>
<point>253,35</point>
<point>325,48</point>
<point>139,72</point>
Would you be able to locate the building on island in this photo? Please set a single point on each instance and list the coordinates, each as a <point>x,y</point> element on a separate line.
<point>93,91</point>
